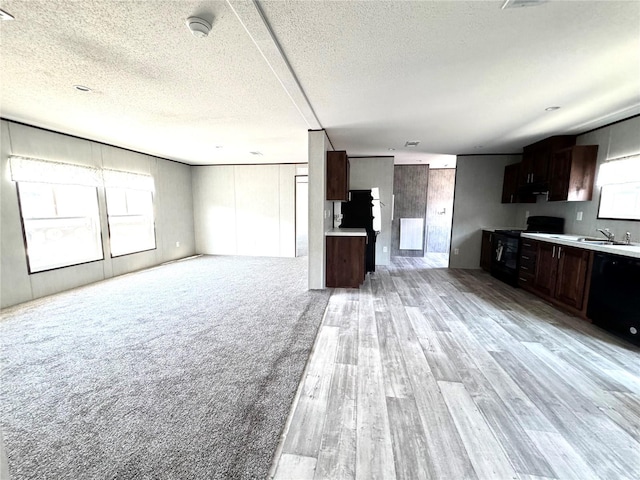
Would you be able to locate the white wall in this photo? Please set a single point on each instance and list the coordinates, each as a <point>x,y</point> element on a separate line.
<point>173,212</point>
<point>320,210</point>
<point>366,173</point>
<point>245,210</point>
<point>618,140</point>
<point>478,194</point>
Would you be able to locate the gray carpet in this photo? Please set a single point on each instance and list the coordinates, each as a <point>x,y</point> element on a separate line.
<point>185,371</point>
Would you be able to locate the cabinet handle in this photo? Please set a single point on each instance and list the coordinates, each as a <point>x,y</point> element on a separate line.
<point>522,280</point>
<point>559,252</point>
<point>511,201</point>
<point>553,255</point>
<point>525,258</point>
<point>526,244</point>
<point>523,268</point>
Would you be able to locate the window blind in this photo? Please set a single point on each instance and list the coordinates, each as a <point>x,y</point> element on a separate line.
<point>24,169</point>
<point>620,170</point>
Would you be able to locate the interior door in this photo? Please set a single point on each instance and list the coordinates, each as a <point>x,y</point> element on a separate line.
<point>439,209</point>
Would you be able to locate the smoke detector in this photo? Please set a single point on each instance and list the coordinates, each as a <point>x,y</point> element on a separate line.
<point>198,26</point>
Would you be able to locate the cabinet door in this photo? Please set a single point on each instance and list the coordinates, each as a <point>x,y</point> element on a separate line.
<point>337,176</point>
<point>546,268</point>
<point>572,173</point>
<point>526,166</point>
<point>486,250</point>
<point>559,175</point>
<point>345,261</point>
<point>510,183</point>
<point>571,276</point>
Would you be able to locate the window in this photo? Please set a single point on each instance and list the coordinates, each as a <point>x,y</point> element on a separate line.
<point>61,224</point>
<point>620,194</point>
<point>131,225</point>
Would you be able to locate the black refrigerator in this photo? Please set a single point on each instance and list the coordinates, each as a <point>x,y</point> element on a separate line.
<point>358,213</point>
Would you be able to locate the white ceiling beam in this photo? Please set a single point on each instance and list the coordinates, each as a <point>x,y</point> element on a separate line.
<point>253,20</point>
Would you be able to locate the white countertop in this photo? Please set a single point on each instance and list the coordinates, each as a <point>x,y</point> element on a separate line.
<point>493,229</point>
<point>571,240</point>
<point>346,232</point>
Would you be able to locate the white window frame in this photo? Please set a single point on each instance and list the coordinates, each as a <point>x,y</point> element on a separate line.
<point>56,233</point>
<point>147,217</point>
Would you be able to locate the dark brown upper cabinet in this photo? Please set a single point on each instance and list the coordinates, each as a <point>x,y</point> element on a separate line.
<point>510,186</point>
<point>338,176</point>
<point>572,173</point>
<point>536,159</point>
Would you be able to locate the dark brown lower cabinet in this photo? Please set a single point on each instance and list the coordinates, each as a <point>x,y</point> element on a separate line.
<point>345,261</point>
<point>571,278</point>
<point>561,274</point>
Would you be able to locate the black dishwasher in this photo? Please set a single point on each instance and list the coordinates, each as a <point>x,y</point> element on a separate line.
<point>614,299</point>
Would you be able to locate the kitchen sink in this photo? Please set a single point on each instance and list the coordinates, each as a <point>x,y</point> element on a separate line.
<point>597,241</point>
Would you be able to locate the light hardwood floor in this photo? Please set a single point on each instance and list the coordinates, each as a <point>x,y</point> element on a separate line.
<point>449,374</point>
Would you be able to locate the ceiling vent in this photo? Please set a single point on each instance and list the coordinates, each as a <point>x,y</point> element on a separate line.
<point>198,26</point>
<point>5,15</point>
<point>522,3</point>
<point>412,143</point>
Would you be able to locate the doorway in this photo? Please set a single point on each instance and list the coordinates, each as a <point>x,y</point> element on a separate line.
<point>302,215</point>
<point>439,216</point>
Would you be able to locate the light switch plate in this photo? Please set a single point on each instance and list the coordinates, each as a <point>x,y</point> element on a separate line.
<point>579,217</point>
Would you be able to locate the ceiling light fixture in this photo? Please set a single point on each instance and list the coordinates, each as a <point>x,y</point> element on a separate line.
<point>412,143</point>
<point>256,153</point>
<point>199,27</point>
<point>391,149</point>
<point>551,109</point>
<point>82,88</point>
<point>5,15</point>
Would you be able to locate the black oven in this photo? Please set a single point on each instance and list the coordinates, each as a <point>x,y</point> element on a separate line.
<point>505,254</point>
<point>505,247</point>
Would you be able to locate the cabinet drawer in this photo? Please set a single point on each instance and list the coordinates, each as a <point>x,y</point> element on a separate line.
<point>526,279</point>
<point>528,268</point>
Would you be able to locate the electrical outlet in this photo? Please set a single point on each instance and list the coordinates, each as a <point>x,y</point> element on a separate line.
<point>177,244</point>
<point>385,249</point>
<point>579,217</point>
<point>456,251</point>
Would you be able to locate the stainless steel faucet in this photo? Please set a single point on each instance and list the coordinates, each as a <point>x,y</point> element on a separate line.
<point>627,238</point>
<point>607,233</point>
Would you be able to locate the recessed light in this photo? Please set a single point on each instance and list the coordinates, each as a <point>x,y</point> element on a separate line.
<point>412,143</point>
<point>219,146</point>
<point>477,147</point>
<point>82,88</point>
<point>551,109</point>
<point>256,153</point>
<point>5,15</point>
<point>391,149</point>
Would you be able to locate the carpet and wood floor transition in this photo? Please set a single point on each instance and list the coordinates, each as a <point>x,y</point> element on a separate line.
<point>189,371</point>
<point>449,374</point>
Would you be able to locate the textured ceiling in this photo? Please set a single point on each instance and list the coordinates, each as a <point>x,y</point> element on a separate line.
<point>460,77</point>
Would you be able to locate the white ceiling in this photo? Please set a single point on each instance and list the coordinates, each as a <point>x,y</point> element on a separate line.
<point>462,77</point>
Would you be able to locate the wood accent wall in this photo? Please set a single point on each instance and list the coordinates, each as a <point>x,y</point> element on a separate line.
<point>410,183</point>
